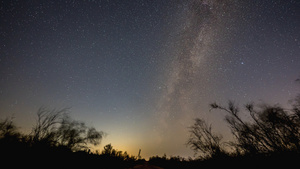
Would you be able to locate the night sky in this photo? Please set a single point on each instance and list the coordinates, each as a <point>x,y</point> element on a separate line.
<point>142,70</point>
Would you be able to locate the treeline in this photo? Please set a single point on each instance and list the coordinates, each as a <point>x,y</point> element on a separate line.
<point>58,141</point>
<point>263,136</point>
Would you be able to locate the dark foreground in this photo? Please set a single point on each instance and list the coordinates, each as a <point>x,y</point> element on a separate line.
<point>146,165</point>
<point>40,158</point>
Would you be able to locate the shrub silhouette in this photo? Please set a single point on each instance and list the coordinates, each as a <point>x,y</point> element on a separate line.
<point>268,136</point>
<point>8,131</point>
<point>109,151</point>
<point>203,140</point>
<point>45,129</point>
<point>117,159</point>
<point>55,139</point>
<point>270,129</point>
<point>56,128</point>
<point>10,138</point>
<point>76,135</point>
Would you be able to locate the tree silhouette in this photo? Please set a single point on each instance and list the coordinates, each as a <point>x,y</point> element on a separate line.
<point>108,150</point>
<point>270,129</point>
<point>203,140</point>
<point>45,129</point>
<point>58,140</point>
<point>76,135</point>
<point>56,128</point>
<point>9,133</point>
<point>8,129</point>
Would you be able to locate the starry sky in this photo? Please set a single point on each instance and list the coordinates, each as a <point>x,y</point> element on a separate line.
<point>142,70</point>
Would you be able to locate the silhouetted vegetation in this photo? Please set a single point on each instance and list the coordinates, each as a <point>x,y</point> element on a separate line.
<point>57,140</point>
<point>269,135</point>
<point>203,140</point>
<point>170,162</point>
<point>57,129</point>
<point>263,136</point>
<point>271,129</point>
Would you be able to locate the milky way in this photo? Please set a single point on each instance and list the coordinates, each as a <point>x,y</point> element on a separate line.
<point>207,57</point>
<point>200,29</point>
<point>142,70</point>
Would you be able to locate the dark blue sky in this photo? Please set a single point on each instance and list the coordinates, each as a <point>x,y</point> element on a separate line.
<point>141,70</point>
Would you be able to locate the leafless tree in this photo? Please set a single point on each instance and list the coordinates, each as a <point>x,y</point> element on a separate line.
<point>270,129</point>
<point>76,135</point>
<point>56,128</point>
<point>46,124</point>
<point>203,140</point>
